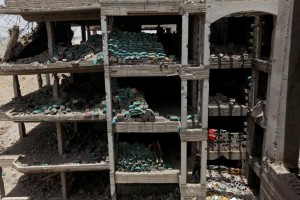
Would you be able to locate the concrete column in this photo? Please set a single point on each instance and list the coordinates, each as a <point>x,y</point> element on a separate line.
<point>88,32</point>
<point>195,38</point>
<point>194,94</point>
<point>203,162</point>
<point>63,185</point>
<point>282,126</point>
<point>273,37</point>
<point>183,104</point>
<point>22,130</point>
<point>59,136</point>
<point>83,33</point>
<point>16,87</point>
<point>201,39</point>
<point>185,39</point>
<point>2,188</point>
<point>204,105</point>
<point>55,87</point>
<point>51,42</point>
<point>199,101</point>
<point>257,37</point>
<point>206,44</point>
<point>183,163</point>
<point>39,80</point>
<point>254,87</point>
<point>105,39</point>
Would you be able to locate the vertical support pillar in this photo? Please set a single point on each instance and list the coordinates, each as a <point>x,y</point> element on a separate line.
<point>273,37</point>
<point>183,163</point>
<point>63,185</point>
<point>257,37</point>
<point>201,39</point>
<point>183,105</point>
<point>51,42</point>
<point>204,104</point>
<point>206,44</point>
<point>59,136</point>
<point>2,188</point>
<point>204,122</point>
<point>39,80</point>
<point>194,94</point>
<point>109,114</point>
<point>88,32</point>
<point>254,87</point>
<point>203,162</point>
<point>76,127</point>
<point>17,95</point>
<point>185,39</point>
<point>55,86</point>
<point>16,86</point>
<point>22,130</point>
<point>105,40</point>
<point>83,33</point>
<point>183,167</point>
<point>195,39</point>
<point>110,24</point>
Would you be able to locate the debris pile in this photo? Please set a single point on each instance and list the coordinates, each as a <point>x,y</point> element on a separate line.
<point>158,196</point>
<point>73,97</point>
<point>224,183</point>
<point>220,99</point>
<point>130,105</point>
<point>226,141</point>
<point>137,157</point>
<point>91,144</point>
<point>88,50</point>
<point>89,185</point>
<point>40,58</point>
<point>85,146</point>
<point>132,48</point>
<point>229,53</point>
<point>38,186</point>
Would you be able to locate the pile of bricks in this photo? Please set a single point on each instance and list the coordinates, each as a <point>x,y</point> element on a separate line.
<point>226,141</point>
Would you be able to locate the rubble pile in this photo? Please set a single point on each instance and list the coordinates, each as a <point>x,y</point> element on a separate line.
<point>72,98</point>
<point>229,53</point>
<point>224,183</point>
<point>89,146</point>
<point>41,58</point>
<point>89,185</point>
<point>220,99</point>
<point>92,48</point>
<point>81,147</point>
<point>226,141</point>
<point>138,158</point>
<point>157,196</point>
<point>131,48</point>
<point>38,186</point>
<point>130,105</point>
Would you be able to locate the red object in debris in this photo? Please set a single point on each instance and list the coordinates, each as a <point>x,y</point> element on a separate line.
<point>211,134</point>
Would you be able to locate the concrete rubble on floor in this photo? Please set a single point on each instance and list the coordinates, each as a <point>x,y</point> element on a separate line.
<point>137,157</point>
<point>73,97</point>
<point>226,183</point>
<point>82,147</point>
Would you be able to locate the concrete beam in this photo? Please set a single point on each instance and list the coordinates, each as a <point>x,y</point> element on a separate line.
<point>218,9</point>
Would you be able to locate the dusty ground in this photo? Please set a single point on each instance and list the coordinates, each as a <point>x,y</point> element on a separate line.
<point>9,130</point>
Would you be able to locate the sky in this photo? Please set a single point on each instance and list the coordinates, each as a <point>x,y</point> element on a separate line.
<point>8,21</point>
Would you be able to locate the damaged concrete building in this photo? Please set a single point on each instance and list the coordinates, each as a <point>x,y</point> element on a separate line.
<point>151,81</point>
